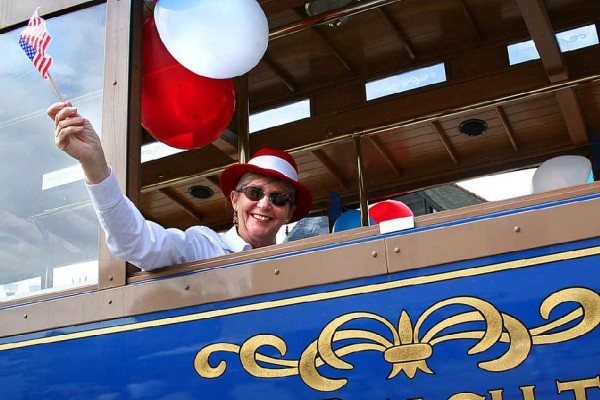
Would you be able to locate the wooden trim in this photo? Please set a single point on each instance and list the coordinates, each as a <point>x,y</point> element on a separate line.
<point>182,202</point>
<point>119,115</point>
<point>330,167</point>
<point>538,23</point>
<point>371,231</point>
<point>254,278</point>
<point>274,6</point>
<point>389,159</point>
<point>48,295</point>
<point>317,20</point>
<point>441,133</point>
<point>244,146</point>
<point>283,76</point>
<point>133,134</point>
<point>318,30</point>
<point>466,240</point>
<point>507,127</point>
<point>515,232</point>
<point>17,12</point>
<point>226,148</point>
<point>470,20</point>
<point>528,79</point>
<point>363,197</point>
<point>571,111</point>
<point>399,32</point>
<point>405,107</point>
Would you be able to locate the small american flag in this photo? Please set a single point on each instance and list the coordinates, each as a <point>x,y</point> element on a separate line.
<point>33,40</point>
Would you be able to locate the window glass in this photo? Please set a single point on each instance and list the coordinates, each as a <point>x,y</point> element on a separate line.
<point>522,52</point>
<point>157,150</point>
<point>279,116</point>
<point>48,230</point>
<point>570,40</point>
<point>406,81</point>
<point>578,38</point>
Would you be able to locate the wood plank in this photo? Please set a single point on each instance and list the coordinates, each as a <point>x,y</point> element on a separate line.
<point>389,159</point>
<point>571,111</point>
<point>439,131</point>
<point>183,203</point>
<point>330,167</point>
<point>405,107</point>
<point>538,23</point>
<point>508,129</point>
<point>117,115</point>
<point>399,32</point>
<point>18,12</point>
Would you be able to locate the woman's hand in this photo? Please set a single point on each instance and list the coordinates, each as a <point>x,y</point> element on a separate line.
<point>76,136</point>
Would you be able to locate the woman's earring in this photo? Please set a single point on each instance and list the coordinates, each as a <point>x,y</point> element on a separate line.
<point>287,228</point>
<point>235,218</point>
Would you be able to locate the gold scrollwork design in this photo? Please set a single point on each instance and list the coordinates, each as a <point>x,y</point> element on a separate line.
<point>405,346</point>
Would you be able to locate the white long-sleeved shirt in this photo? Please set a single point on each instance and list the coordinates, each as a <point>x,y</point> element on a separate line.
<point>147,244</point>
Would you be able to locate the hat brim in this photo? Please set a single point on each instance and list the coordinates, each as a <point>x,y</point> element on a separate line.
<point>232,175</point>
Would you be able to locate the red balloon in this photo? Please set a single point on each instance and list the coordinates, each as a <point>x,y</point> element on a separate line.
<point>180,108</point>
<point>389,209</point>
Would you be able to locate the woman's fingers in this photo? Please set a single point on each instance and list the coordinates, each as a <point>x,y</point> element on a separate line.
<point>63,139</point>
<point>64,127</point>
<point>64,114</point>
<point>53,110</point>
<point>72,121</point>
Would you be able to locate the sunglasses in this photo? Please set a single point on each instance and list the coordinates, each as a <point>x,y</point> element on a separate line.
<point>278,199</point>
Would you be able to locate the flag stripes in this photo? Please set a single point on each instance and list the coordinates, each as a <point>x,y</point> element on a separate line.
<point>34,40</point>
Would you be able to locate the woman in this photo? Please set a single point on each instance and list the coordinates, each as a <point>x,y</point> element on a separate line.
<point>265,194</point>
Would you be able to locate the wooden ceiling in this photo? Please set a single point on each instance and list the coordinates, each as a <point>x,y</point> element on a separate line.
<point>409,141</point>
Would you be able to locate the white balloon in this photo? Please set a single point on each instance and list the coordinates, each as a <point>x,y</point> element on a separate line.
<point>217,39</point>
<point>560,172</point>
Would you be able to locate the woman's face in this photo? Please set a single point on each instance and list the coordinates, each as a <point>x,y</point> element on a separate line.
<point>259,221</point>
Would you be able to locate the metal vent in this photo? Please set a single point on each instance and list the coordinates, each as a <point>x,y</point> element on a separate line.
<point>200,192</point>
<point>324,6</point>
<point>473,127</point>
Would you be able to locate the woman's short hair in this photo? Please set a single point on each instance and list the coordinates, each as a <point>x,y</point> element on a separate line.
<point>250,176</point>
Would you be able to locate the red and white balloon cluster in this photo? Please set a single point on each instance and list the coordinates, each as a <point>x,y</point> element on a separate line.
<point>192,50</point>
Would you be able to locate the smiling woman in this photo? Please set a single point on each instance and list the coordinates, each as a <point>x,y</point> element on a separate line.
<point>268,196</point>
<point>47,225</point>
<point>272,195</point>
<point>455,294</point>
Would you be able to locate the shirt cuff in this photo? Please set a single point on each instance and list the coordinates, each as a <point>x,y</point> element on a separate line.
<point>105,194</point>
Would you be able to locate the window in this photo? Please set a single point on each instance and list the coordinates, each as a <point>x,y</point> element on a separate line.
<point>280,116</point>
<point>522,52</point>
<point>500,186</point>
<point>157,150</point>
<point>567,41</point>
<point>406,81</point>
<point>577,38</point>
<point>48,229</point>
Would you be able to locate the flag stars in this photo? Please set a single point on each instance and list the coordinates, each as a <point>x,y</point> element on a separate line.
<point>30,51</point>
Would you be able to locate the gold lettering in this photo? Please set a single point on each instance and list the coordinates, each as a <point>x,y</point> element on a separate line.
<point>466,396</point>
<point>579,387</point>
<point>527,391</point>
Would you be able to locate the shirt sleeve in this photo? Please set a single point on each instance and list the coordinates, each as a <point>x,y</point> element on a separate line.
<point>143,243</point>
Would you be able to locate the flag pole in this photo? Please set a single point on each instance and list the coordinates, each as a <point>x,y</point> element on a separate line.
<point>55,87</point>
